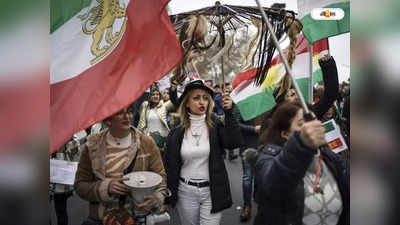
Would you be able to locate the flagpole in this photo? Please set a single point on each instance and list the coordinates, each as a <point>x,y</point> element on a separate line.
<point>310,88</point>
<point>222,73</point>
<point>217,3</point>
<point>285,62</point>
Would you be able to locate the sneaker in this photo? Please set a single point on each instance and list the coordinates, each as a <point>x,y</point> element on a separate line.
<point>245,215</point>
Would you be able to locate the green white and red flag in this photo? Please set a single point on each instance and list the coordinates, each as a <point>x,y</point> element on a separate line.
<point>253,101</point>
<point>334,137</point>
<point>104,55</point>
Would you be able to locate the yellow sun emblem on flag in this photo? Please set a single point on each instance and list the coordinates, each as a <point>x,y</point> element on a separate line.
<point>273,77</point>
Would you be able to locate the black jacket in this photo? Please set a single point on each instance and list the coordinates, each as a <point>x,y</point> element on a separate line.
<point>279,187</point>
<point>248,129</point>
<point>221,137</point>
<point>331,83</point>
<point>331,93</point>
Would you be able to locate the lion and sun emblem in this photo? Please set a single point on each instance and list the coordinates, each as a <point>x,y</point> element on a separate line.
<point>100,19</point>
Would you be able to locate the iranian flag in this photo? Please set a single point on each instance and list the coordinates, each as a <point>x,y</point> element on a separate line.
<point>104,55</point>
<point>315,30</point>
<point>252,101</point>
<point>334,137</point>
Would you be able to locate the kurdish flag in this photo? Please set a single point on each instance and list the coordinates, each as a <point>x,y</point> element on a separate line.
<point>315,30</point>
<point>104,54</point>
<point>252,101</point>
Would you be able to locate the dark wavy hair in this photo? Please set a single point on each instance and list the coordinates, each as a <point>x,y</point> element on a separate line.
<point>281,120</point>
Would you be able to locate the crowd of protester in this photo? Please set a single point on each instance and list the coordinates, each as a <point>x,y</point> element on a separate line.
<point>184,133</point>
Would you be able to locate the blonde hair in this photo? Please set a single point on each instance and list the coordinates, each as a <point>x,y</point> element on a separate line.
<point>294,29</point>
<point>183,111</point>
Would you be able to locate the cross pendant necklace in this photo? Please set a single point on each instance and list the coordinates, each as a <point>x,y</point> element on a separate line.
<point>197,137</point>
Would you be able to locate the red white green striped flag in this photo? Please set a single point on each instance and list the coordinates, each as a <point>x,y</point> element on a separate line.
<point>333,136</point>
<point>104,54</point>
<point>315,30</point>
<point>253,101</point>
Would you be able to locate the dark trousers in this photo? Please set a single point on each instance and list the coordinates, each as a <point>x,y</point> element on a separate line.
<point>247,182</point>
<point>60,204</point>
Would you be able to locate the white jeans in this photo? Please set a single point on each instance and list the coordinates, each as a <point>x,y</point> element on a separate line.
<point>194,206</point>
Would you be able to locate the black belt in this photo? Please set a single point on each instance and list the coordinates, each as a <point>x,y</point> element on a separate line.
<point>196,184</point>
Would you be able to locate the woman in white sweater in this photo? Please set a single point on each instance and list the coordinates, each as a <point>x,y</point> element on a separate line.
<point>153,117</point>
<point>196,173</point>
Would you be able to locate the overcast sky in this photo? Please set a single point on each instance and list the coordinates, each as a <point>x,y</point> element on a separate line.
<point>339,45</point>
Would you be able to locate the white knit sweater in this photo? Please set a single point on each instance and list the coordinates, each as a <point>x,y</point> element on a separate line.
<point>195,157</point>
